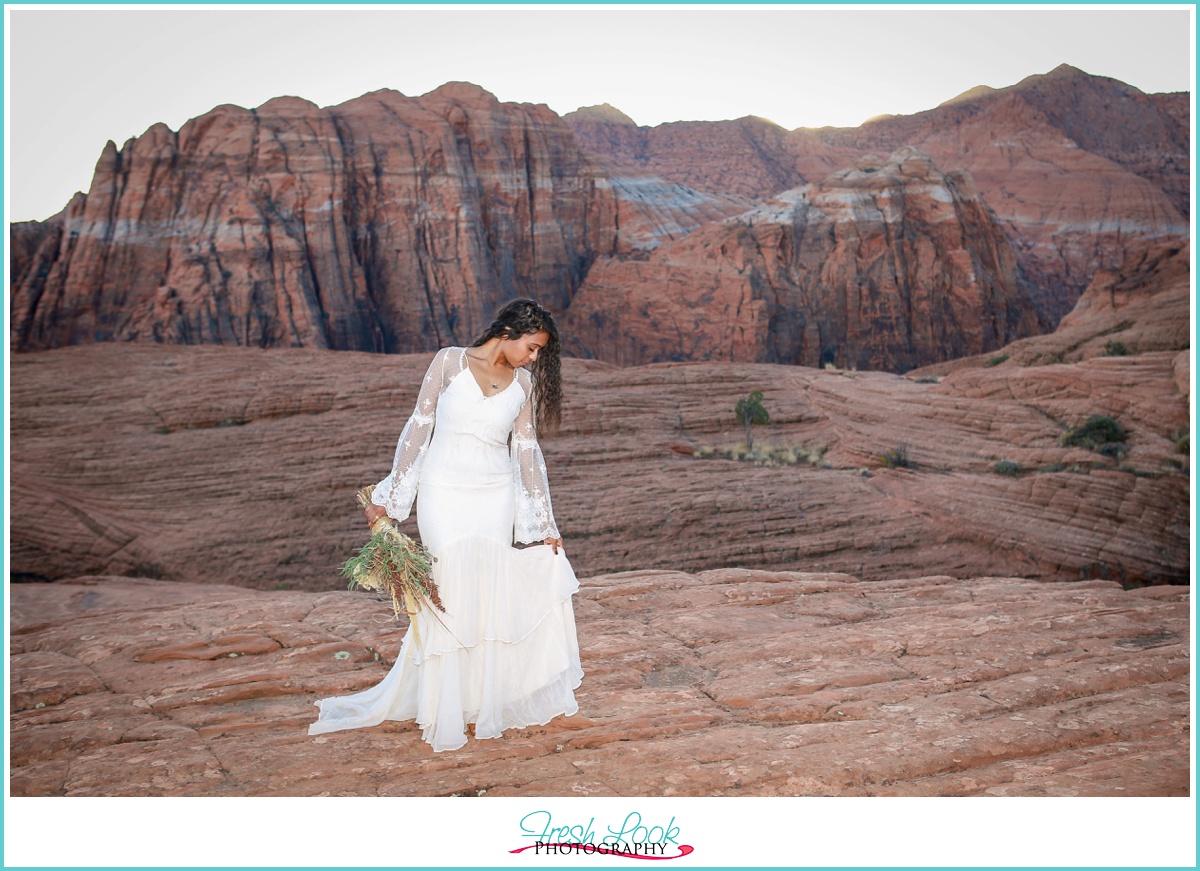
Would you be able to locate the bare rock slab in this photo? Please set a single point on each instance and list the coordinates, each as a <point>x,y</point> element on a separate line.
<point>729,682</point>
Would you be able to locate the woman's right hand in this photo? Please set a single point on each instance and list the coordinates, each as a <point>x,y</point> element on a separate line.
<point>374,512</point>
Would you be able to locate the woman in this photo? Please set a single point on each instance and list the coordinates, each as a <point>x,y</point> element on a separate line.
<point>504,654</point>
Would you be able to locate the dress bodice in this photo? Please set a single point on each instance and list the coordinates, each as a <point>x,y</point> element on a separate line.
<point>459,437</point>
<point>471,433</point>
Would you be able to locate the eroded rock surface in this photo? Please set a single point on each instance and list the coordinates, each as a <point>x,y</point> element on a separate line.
<point>1142,307</point>
<point>391,223</point>
<point>1082,171</point>
<point>194,463</point>
<point>385,223</point>
<point>889,265</point>
<point>727,682</point>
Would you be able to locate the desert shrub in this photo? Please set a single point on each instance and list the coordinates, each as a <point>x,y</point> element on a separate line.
<point>1182,439</point>
<point>927,379</point>
<point>814,455</point>
<point>1115,349</point>
<point>897,458</point>
<point>766,455</point>
<point>1114,450</point>
<point>750,411</point>
<point>1099,430</point>
<point>1052,467</point>
<point>997,360</point>
<point>1007,467</point>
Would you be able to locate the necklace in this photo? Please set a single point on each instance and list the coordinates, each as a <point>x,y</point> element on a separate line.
<point>495,384</point>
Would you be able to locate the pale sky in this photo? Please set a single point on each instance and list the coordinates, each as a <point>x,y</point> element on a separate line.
<point>79,77</point>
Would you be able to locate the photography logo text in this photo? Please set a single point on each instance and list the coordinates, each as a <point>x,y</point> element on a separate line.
<point>633,838</point>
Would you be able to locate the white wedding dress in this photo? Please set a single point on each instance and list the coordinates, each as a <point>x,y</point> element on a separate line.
<point>504,654</point>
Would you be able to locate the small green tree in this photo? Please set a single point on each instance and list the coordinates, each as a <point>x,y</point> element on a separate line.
<point>749,410</point>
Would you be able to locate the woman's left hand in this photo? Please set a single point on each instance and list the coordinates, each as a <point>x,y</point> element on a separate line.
<point>555,543</point>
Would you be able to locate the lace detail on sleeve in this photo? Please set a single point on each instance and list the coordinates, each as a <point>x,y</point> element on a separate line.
<point>535,518</point>
<point>397,491</point>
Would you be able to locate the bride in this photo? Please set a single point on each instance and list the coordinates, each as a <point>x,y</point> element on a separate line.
<point>504,654</point>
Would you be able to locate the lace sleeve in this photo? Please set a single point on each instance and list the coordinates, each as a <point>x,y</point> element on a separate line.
<point>397,491</point>
<point>535,518</point>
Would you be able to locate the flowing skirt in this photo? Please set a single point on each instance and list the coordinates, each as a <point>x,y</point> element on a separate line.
<point>504,654</point>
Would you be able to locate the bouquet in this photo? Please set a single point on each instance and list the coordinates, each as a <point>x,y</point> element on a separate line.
<point>393,564</point>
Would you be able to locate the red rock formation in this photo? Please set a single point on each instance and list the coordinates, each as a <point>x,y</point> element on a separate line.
<point>1176,104</point>
<point>885,266</point>
<point>651,211</point>
<point>750,157</point>
<point>1081,170</point>
<point>385,223</point>
<point>135,459</point>
<point>1145,306</point>
<point>398,224</point>
<point>32,240</point>
<point>726,683</point>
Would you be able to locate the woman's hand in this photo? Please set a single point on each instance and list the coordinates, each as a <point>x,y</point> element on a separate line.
<point>555,543</point>
<point>374,512</point>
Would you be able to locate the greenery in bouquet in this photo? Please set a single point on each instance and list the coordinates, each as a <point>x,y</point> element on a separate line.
<point>393,564</point>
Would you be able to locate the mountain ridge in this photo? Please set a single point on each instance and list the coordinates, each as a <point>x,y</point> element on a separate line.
<point>395,223</point>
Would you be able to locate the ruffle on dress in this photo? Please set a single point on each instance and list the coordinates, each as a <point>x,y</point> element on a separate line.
<point>503,656</point>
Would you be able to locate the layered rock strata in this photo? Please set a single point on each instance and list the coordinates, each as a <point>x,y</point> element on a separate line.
<point>720,683</point>
<point>1143,306</point>
<point>750,157</point>
<point>385,223</point>
<point>190,462</point>
<point>889,265</point>
<point>1082,171</point>
<point>399,224</point>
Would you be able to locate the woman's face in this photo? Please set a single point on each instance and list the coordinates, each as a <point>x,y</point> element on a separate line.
<point>523,350</point>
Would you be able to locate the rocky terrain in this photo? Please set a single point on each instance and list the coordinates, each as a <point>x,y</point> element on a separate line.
<point>720,683</point>
<point>128,458</point>
<point>888,265</point>
<point>393,223</point>
<point>1143,306</point>
<point>249,460</point>
<point>386,223</point>
<point>698,682</point>
<point>1081,171</point>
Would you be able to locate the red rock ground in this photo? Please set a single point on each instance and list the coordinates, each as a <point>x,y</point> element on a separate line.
<point>935,630</point>
<point>719,683</point>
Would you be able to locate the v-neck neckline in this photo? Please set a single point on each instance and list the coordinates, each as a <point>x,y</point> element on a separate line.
<point>467,365</point>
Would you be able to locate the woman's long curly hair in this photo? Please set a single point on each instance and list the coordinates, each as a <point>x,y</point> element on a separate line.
<point>522,317</point>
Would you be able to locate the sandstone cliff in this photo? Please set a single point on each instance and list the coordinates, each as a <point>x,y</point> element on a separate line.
<point>398,224</point>
<point>30,240</point>
<point>385,224</point>
<point>1143,306</point>
<point>889,265</point>
<point>1081,170</point>
<point>750,157</point>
